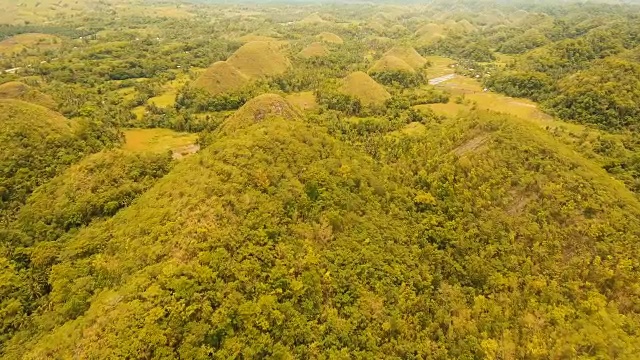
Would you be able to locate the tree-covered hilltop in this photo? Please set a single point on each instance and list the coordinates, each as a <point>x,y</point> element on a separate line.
<point>37,144</point>
<point>389,180</point>
<point>480,237</point>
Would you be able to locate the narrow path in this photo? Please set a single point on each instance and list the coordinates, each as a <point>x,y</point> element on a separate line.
<point>441,79</point>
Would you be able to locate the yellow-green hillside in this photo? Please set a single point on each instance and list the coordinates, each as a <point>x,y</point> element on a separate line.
<point>363,87</point>
<point>330,38</point>
<point>429,33</point>
<point>31,41</point>
<point>259,109</point>
<point>391,63</point>
<point>36,142</point>
<point>312,19</point>
<point>315,49</point>
<point>478,226</point>
<point>409,55</point>
<point>257,59</point>
<point>221,77</point>
<point>98,186</point>
<point>19,91</point>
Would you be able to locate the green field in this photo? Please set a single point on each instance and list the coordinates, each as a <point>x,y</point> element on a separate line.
<point>156,140</point>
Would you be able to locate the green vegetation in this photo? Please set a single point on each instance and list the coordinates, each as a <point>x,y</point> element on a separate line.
<point>190,180</point>
<point>19,91</point>
<point>362,87</point>
<point>37,145</point>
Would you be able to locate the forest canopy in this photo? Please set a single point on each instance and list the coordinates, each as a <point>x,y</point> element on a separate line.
<point>380,180</point>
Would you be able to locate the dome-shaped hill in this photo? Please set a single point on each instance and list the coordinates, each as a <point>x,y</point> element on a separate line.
<point>430,28</point>
<point>377,26</point>
<point>35,141</point>
<point>221,77</point>
<point>466,25</point>
<point>316,49</point>
<point>257,59</point>
<point>252,37</point>
<point>330,38</point>
<point>97,186</point>
<point>19,91</point>
<point>312,19</point>
<point>259,109</point>
<point>363,87</point>
<point>409,55</point>
<point>430,33</point>
<point>398,29</point>
<point>391,63</point>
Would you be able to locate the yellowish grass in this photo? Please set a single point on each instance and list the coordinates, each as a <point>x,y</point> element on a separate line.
<point>316,49</point>
<point>439,66</point>
<point>33,41</point>
<point>19,91</point>
<point>450,110</point>
<point>330,38</point>
<point>167,99</point>
<point>312,19</point>
<point>391,63</point>
<point>139,112</point>
<point>221,77</point>
<point>472,94</point>
<point>156,140</point>
<point>363,87</point>
<point>258,59</point>
<point>261,108</point>
<point>412,129</point>
<point>127,93</point>
<point>409,55</point>
<point>303,100</point>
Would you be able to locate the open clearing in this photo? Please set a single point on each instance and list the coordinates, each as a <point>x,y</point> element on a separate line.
<point>303,100</point>
<point>157,140</point>
<point>439,66</point>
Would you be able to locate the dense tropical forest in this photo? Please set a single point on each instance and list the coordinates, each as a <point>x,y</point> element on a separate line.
<point>289,180</point>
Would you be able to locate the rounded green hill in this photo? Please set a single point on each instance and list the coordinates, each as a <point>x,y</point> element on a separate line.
<point>391,63</point>
<point>364,88</point>
<point>258,109</point>
<point>35,142</point>
<point>19,91</point>
<point>221,77</point>
<point>316,49</point>
<point>257,59</point>
<point>409,55</point>
<point>330,38</point>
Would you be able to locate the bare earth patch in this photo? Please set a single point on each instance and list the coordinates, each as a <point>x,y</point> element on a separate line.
<point>471,145</point>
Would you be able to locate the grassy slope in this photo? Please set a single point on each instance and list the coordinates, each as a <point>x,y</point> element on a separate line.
<point>221,77</point>
<point>330,38</point>
<point>315,49</point>
<point>258,59</point>
<point>363,87</point>
<point>98,186</point>
<point>16,44</point>
<point>19,91</point>
<point>35,143</point>
<point>391,63</point>
<point>156,140</point>
<point>279,232</point>
<point>254,60</point>
<point>409,55</point>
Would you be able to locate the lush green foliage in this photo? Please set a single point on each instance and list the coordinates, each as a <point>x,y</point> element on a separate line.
<point>373,216</point>
<point>37,144</point>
